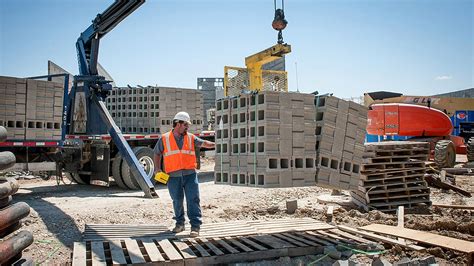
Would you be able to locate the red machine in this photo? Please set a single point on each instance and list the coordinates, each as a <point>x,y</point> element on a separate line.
<point>420,122</point>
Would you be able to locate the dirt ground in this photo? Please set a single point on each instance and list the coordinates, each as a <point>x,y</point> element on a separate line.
<point>59,213</point>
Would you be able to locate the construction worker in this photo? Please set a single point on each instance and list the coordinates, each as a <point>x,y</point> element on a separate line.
<point>179,162</point>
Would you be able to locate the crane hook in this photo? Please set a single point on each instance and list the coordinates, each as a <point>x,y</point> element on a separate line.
<point>279,22</point>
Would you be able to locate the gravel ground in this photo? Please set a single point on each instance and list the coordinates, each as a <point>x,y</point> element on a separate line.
<point>59,213</point>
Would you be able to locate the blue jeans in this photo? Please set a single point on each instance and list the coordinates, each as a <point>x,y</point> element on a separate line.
<point>180,186</point>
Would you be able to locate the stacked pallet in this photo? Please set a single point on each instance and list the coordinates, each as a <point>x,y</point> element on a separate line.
<point>392,176</point>
<point>340,134</point>
<point>31,109</point>
<point>279,139</point>
<point>151,109</point>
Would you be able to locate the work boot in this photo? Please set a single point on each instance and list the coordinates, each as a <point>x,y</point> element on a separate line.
<point>178,228</point>
<point>194,232</point>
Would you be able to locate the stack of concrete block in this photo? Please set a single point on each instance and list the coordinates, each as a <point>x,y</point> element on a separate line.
<point>208,87</point>
<point>151,110</point>
<point>31,109</point>
<point>278,139</point>
<point>266,140</point>
<point>392,175</point>
<point>340,134</point>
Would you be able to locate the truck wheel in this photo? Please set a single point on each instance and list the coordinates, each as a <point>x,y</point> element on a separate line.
<point>77,178</point>
<point>445,154</point>
<point>117,171</point>
<point>145,158</point>
<point>470,149</point>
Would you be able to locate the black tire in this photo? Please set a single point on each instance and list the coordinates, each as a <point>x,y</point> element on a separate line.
<point>470,149</point>
<point>78,178</point>
<point>3,134</point>
<point>145,157</point>
<point>445,154</point>
<point>117,171</point>
<point>7,160</point>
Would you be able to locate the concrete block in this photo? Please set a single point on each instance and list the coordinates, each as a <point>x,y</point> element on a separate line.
<point>221,178</point>
<point>291,206</point>
<point>329,161</point>
<point>298,140</point>
<point>268,179</point>
<point>285,178</point>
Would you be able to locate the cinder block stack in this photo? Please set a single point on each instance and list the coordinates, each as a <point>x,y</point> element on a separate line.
<point>151,109</point>
<point>392,176</point>
<point>31,109</point>
<point>340,135</point>
<point>278,139</point>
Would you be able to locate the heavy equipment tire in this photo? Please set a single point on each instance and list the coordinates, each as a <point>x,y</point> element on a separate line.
<point>7,160</point>
<point>117,171</point>
<point>470,149</point>
<point>145,158</point>
<point>78,178</point>
<point>3,134</point>
<point>445,154</point>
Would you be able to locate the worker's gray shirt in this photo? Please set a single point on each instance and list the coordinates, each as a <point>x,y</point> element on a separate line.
<point>159,148</point>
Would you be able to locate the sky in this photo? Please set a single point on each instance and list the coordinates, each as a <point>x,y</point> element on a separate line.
<point>345,47</point>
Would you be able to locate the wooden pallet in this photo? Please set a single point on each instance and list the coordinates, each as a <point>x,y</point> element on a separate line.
<point>389,157</point>
<point>206,249</point>
<point>396,166</point>
<point>94,232</point>
<point>390,204</point>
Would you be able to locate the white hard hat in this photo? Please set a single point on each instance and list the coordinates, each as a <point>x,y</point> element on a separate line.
<point>183,116</point>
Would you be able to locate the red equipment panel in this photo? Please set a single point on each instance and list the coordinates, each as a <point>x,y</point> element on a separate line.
<point>407,120</point>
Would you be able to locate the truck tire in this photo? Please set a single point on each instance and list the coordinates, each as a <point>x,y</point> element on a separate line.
<point>3,134</point>
<point>145,158</point>
<point>445,154</point>
<point>470,149</point>
<point>78,178</point>
<point>7,160</point>
<point>117,171</point>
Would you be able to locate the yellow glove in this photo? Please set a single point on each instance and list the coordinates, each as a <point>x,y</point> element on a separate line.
<point>162,177</point>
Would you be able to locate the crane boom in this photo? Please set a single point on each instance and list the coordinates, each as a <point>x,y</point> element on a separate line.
<point>87,44</point>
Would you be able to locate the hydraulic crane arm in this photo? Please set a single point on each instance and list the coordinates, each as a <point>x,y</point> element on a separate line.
<point>88,43</point>
<point>86,112</point>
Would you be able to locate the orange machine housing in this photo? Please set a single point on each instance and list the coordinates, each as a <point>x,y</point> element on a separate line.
<point>407,120</point>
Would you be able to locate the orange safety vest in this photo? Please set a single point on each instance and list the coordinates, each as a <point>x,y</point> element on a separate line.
<point>176,159</point>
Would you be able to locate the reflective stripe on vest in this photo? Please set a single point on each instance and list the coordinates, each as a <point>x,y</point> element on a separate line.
<point>176,159</point>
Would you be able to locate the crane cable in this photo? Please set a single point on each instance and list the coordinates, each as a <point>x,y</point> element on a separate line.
<point>279,22</point>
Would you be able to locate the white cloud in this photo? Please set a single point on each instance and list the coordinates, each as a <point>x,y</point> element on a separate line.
<point>443,77</point>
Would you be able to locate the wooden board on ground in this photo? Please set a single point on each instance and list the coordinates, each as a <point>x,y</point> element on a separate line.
<point>296,240</point>
<point>422,237</point>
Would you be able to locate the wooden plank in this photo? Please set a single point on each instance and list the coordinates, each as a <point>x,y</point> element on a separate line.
<point>327,239</point>
<point>153,251</point>
<point>423,237</point>
<point>225,245</point>
<point>184,249</point>
<point>466,207</point>
<point>313,238</point>
<point>211,246</point>
<point>238,244</point>
<point>299,237</point>
<point>134,252</point>
<point>116,251</point>
<point>272,241</point>
<point>201,250</point>
<point>334,236</point>
<point>379,238</point>
<point>79,258</point>
<point>350,236</point>
<point>251,243</point>
<point>291,240</point>
<point>169,250</point>
<point>97,253</point>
